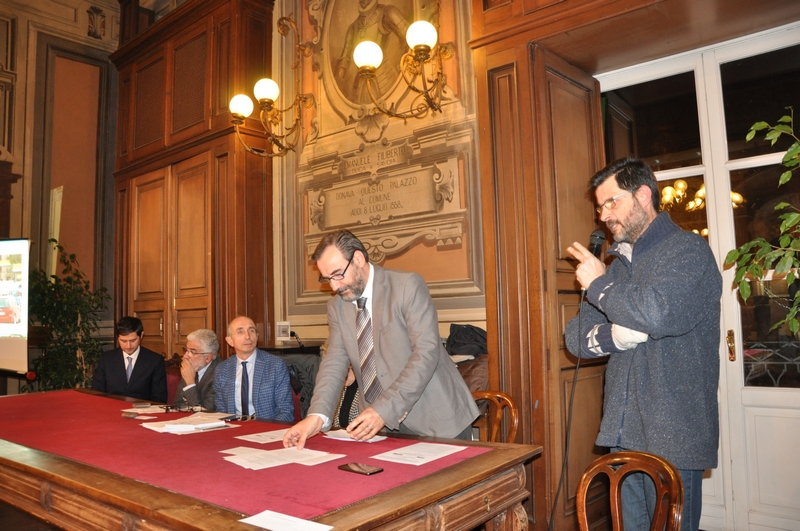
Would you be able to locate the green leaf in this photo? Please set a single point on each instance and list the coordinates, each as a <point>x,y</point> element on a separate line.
<point>744,289</point>
<point>794,326</point>
<point>783,129</point>
<point>732,256</point>
<point>789,220</point>
<point>785,119</point>
<point>782,205</point>
<point>785,177</point>
<point>785,263</point>
<point>758,126</point>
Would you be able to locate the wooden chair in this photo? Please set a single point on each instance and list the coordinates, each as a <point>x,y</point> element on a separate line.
<point>489,423</point>
<point>618,465</point>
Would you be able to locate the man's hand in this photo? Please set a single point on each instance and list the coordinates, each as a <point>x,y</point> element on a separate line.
<point>300,432</point>
<point>589,266</point>
<point>188,373</point>
<point>365,425</point>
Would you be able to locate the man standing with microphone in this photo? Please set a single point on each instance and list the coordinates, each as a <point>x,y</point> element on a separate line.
<point>656,313</point>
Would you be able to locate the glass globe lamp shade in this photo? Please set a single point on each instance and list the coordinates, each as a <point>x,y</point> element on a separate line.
<point>266,89</point>
<point>367,53</point>
<point>241,105</point>
<point>421,32</point>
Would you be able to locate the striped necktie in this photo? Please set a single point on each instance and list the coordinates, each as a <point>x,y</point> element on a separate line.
<point>366,352</point>
<point>129,368</point>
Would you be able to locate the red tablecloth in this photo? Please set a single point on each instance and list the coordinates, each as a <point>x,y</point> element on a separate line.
<point>90,429</point>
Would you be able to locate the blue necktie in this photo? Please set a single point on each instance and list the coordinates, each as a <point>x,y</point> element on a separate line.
<point>129,368</point>
<point>245,390</point>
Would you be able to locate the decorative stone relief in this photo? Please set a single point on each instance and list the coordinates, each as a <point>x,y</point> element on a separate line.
<point>97,23</point>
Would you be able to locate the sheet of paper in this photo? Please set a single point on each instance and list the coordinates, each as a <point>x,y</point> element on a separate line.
<point>305,456</point>
<point>257,460</point>
<point>152,410</point>
<point>283,522</point>
<point>193,423</point>
<point>419,454</point>
<point>342,435</point>
<point>264,437</point>
<point>240,450</point>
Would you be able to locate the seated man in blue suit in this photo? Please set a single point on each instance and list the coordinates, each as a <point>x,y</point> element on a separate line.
<point>252,382</point>
<point>130,369</point>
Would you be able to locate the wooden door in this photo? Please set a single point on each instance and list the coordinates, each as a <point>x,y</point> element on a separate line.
<point>544,143</point>
<point>567,113</point>
<point>192,287</point>
<point>149,252</point>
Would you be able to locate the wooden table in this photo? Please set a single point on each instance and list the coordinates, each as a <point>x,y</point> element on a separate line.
<point>486,488</point>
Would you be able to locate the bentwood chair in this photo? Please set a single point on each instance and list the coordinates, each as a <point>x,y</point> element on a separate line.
<point>489,424</point>
<point>618,465</point>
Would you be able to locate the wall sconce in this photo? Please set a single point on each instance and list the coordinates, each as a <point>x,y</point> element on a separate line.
<point>421,68</point>
<point>266,92</point>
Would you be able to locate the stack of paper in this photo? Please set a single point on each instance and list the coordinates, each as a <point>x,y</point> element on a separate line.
<point>192,424</point>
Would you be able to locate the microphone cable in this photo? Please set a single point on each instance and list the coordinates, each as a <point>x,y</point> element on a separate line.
<point>596,241</point>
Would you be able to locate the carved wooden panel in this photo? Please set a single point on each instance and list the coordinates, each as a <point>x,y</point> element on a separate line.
<point>148,106</point>
<point>189,101</point>
<point>149,256</point>
<point>192,291</point>
<point>620,132</point>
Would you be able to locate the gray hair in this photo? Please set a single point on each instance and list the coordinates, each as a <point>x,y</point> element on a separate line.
<point>207,338</point>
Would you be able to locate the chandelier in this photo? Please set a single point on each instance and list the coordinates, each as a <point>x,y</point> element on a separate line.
<point>282,138</point>
<point>675,194</point>
<point>421,68</point>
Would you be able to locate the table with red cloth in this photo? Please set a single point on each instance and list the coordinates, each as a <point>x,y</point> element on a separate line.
<point>71,458</point>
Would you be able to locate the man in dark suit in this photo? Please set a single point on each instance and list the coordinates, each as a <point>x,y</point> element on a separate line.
<point>383,323</point>
<point>196,387</point>
<point>252,382</point>
<point>130,369</point>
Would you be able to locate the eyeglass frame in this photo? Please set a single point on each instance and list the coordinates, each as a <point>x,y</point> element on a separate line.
<point>611,203</point>
<point>338,276</point>
<point>186,350</point>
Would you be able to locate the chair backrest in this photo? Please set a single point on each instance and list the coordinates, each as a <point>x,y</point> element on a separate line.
<point>618,465</point>
<point>490,423</point>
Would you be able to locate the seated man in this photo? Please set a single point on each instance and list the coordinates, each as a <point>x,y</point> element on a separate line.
<point>130,369</point>
<point>197,370</point>
<point>252,382</point>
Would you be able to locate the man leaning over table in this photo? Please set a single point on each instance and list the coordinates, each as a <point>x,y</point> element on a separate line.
<point>384,324</point>
<point>252,382</point>
<point>197,370</point>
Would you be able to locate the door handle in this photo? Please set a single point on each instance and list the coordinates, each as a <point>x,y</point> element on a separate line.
<point>731,341</point>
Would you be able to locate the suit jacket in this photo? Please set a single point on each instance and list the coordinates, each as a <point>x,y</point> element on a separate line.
<point>202,393</point>
<point>272,394</point>
<point>422,388</point>
<point>148,379</point>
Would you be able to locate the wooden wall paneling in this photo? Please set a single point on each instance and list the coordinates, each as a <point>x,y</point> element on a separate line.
<point>192,274</point>
<point>149,256</point>
<point>147,105</point>
<point>222,58</point>
<point>121,248</point>
<point>620,126</point>
<point>125,124</point>
<point>188,102</point>
<point>567,115</point>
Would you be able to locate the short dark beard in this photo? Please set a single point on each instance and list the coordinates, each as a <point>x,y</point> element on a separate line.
<point>637,224</point>
<point>356,288</point>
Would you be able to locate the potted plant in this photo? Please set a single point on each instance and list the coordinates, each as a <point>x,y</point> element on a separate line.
<point>67,309</point>
<point>755,259</point>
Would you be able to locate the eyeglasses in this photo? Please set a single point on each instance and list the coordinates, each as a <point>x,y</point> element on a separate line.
<point>611,204</point>
<point>193,352</point>
<point>338,276</point>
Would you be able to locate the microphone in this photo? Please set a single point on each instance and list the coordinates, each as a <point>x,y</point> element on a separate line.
<point>596,241</point>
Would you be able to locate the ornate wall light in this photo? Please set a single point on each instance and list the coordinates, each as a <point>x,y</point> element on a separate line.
<point>421,68</point>
<point>266,92</point>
